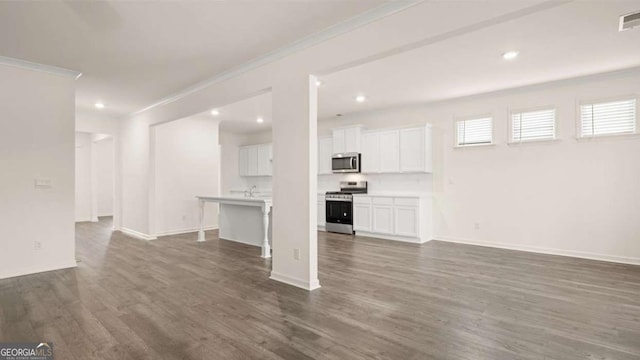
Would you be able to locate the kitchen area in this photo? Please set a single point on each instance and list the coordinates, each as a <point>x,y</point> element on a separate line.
<point>373,182</point>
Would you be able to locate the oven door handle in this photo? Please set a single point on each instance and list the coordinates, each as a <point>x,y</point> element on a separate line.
<point>339,200</point>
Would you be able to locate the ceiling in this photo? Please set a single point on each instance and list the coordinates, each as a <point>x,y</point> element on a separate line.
<point>571,40</point>
<point>133,53</point>
<point>241,116</point>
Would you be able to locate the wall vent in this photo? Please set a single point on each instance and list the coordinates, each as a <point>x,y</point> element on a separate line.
<point>629,21</point>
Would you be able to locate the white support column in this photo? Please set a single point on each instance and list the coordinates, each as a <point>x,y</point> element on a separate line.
<point>294,220</point>
<point>266,249</point>
<point>201,224</point>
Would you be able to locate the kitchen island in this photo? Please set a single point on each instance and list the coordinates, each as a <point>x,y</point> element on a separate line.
<point>243,219</point>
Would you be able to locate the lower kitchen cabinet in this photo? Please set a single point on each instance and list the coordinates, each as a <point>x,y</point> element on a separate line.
<point>407,221</point>
<point>382,219</point>
<point>396,218</point>
<point>362,215</point>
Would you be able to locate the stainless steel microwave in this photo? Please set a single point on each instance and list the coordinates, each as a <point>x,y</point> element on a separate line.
<point>345,163</point>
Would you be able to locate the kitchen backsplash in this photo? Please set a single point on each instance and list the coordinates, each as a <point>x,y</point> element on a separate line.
<point>399,183</point>
<point>396,183</point>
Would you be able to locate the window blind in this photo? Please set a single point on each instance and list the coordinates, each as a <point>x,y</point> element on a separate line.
<point>616,117</point>
<point>475,131</point>
<point>533,125</point>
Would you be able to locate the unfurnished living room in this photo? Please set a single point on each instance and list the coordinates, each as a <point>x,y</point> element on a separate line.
<point>320,179</point>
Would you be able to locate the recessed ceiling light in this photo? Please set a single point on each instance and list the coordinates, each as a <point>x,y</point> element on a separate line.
<point>259,120</point>
<point>360,98</point>
<point>510,55</point>
<point>318,82</point>
<point>99,105</point>
<point>215,112</point>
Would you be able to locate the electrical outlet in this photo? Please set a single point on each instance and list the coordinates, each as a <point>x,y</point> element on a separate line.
<point>476,226</point>
<point>296,254</point>
<point>37,245</point>
<point>43,183</point>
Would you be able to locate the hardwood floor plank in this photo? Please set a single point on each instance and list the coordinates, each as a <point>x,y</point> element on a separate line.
<point>174,298</point>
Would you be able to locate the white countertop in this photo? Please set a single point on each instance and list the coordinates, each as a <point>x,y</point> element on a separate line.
<point>238,200</point>
<point>395,194</point>
<point>391,194</point>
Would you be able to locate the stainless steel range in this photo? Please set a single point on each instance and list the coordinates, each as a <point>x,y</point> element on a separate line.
<point>339,206</point>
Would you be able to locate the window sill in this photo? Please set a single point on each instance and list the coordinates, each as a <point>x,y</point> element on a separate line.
<point>608,137</point>
<point>533,142</point>
<point>474,146</point>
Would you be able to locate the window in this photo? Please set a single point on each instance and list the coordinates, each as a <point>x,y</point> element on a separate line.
<point>474,132</point>
<point>608,118</point>
<point>533,125</point>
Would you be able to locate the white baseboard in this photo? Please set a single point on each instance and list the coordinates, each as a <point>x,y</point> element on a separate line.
<point>185,231</point>
<point>541,250</point>
<point>30,271</point>
<point>137,234</point>
<point>303,284</point>
<point>241,241</point>
<point>105,215</point>
<point>87,219</point>
<point>390,237</point>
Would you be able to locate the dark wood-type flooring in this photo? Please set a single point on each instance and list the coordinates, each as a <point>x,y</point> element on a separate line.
<point>174,298</point>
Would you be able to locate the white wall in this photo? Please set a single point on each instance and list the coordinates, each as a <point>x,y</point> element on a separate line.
<point>375,37</point>
<point>567,197</point>
<point>94,191</point>
<point>36,141</point>
<point>104,163</point>
<point>186,164</point>
<point>83,189</point>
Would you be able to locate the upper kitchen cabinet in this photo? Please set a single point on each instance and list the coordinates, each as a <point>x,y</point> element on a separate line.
<point>406,150</point>
<point>325,150</point>
<point>264,160</point>
<point>255,160</point>
<point>416,149</point>
<point>381,152</point>
<point>370,152</point>
<point>347,139</point>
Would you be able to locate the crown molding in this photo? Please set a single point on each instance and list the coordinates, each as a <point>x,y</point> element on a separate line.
<point>340,28</point>
<point>39,67</point>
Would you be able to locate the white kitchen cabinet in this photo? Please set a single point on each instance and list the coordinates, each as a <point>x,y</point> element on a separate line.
<point>338,144</point>
<point>389,151</point>
<point>255,160</point>
<point>382,219</point>
<point>406,150</point>
<point>362,214</point>
<point>243,158</point>
<point>412,149</point>
<point>347,140</point>
<point>352,140</point>
<point>402,218</point>
<point>325,150</point>
<point>382,209</point>
<point>406,221</point>
<point>252,160</point>
<point>264,160</point>
<point>415,149</point>
<point>370,153</point>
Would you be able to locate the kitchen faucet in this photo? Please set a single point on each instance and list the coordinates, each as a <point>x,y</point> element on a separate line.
<point>249,193</point>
